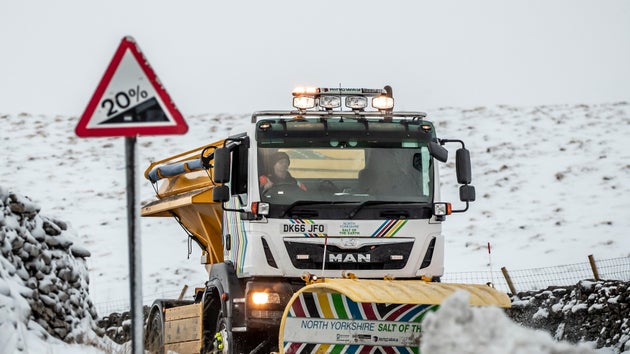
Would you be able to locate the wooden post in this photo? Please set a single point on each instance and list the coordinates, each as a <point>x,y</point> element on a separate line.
<point>508,280</point>
<point>593,266</point>
<point>183,292</point>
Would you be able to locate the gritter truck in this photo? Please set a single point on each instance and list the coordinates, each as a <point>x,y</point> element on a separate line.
<point>345,256</point>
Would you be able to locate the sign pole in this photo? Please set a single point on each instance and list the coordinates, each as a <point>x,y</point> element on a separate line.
<point>130,101</point>
<point>135,259</point>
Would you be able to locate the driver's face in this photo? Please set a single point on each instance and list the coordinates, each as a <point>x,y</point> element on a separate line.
<point>281,168</point>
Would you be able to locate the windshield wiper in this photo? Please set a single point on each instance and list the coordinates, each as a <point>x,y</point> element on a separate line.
<point>308,202</point>
<point>354,211</point>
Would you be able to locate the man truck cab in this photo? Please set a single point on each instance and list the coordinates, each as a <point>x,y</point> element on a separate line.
<point>323,261</point>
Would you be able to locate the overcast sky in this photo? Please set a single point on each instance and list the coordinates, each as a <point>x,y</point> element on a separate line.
<point>241,56</point>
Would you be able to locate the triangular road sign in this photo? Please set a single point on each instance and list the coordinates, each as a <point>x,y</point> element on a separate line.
<point>130,100</point>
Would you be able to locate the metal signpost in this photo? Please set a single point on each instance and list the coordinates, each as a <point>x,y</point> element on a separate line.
<point>130,101</point>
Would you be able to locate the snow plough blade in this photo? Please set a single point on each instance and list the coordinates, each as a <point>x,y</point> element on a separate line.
<point>356,315</point>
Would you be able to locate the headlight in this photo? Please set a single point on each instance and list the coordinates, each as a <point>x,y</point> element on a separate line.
<point>356,102</point>
<point>262,298</point>
<point>383,102</point>
<point>303,102</point>
<point>330,101</point>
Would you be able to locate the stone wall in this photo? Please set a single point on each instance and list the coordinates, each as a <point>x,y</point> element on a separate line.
<point>43,273</point>
<point>590,311</point>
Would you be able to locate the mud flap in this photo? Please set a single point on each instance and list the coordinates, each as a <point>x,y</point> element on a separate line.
<point>357,315</point>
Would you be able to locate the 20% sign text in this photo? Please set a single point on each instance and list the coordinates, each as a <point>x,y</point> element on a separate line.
<point>123,99</point>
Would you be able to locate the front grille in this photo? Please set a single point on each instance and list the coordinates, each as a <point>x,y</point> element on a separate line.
<point>310,256</point>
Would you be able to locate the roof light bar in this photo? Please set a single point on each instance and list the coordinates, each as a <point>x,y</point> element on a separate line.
<point>303,102</point>
<point>305,91</point>
<point>383,102</point>
<point>330,102</point>
<point>356,102</point>
<point>329,98</point>
<point>345,91</point>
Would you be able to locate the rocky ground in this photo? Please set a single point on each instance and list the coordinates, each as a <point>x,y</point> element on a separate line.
<point>117,325</point>
<point>590,311</point>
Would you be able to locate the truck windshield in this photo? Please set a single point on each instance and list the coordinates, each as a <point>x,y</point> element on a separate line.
<point>344,172</point>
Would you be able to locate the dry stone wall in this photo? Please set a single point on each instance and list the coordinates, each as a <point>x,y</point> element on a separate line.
<point>590,311</point>
<point>43,273</point>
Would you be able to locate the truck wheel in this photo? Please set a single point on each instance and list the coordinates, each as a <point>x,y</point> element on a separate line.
<point>225,341</point>
<point>154,338</point>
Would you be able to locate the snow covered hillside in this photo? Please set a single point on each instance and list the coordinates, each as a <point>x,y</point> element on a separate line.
<point>552,188</point>
<point>553,185</point>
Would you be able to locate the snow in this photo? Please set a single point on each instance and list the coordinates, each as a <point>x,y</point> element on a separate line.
<point>484,330</point>
<point>26,340</point>
<point>551,189</point>
<point>541,313</point>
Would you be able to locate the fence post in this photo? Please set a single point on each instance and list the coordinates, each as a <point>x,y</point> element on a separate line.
<point>508,280</point>
<point>182,293</point>
<point>593,266</point>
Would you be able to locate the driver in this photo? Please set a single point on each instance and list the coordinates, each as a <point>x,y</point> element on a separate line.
<point>279,173</point>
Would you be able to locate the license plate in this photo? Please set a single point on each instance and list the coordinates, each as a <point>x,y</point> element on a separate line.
<point>303,228</point>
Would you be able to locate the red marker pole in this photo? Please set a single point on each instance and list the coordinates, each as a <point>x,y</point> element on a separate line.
<point>490,264</point>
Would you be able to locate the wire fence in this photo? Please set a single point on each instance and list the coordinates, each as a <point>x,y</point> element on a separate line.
<point>122,305</point>
<point>509,281</point>
<point>514,281</point>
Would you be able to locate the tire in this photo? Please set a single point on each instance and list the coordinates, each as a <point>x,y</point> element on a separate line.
<point>211,312</point>
<point>225,341</point>
<point>154,337</point>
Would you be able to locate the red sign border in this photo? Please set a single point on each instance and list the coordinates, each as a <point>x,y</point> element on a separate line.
<point>128,43</point>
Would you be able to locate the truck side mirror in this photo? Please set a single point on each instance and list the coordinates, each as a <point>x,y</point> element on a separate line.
<point>438,151</point>
<point>462,166</point>
<point>221,194</point>
<point>221,172</point>
<point>467,193</point>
